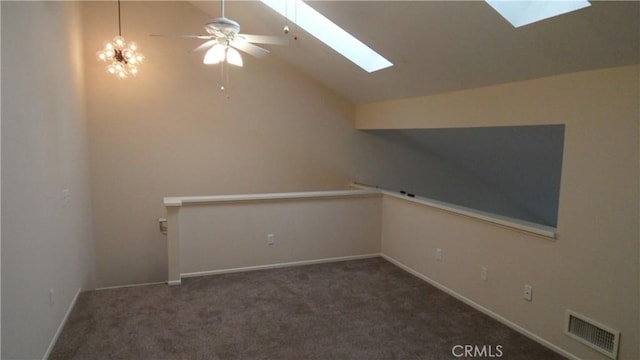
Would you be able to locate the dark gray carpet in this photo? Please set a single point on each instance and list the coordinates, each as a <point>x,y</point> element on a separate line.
<point>363,309</point>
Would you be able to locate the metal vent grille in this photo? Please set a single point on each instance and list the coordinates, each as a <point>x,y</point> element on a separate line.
<point>592,334</point>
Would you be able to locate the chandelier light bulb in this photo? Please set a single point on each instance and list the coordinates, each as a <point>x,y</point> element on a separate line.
<point>119,42</point>
<point>101,56</point>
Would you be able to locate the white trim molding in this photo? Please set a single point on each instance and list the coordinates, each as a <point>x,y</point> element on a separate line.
<point>280,265</point>
<point>61,326</point>
<point>539,230</point>
<point>172,201</point>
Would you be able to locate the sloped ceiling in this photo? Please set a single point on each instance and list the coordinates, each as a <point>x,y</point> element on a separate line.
<point>442,46</point>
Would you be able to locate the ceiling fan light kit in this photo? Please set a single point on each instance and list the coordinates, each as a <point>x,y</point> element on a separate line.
<point>223,40</point>
<point>233,57</point>
<point>123,59</point>
<point>220,52</point>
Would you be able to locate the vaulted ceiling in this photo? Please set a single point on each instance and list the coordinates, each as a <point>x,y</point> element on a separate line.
<point>442,46</point>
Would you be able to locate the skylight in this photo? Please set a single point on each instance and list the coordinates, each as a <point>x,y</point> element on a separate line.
<point>524,12</point>
<point>329,33</point>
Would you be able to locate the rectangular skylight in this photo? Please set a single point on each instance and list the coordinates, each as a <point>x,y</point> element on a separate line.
<point>524,12</point>
<point>329,33</point>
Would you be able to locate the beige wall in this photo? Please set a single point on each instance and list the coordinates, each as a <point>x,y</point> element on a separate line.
<point>46,241</point>
<point>593,267</point>
<point>232,235</point>
<point>172,132</point>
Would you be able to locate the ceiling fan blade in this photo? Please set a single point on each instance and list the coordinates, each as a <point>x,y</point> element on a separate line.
<point>205,45</point>
<point>202,37</point>
<point>249,48</point>
<point>263,39</point>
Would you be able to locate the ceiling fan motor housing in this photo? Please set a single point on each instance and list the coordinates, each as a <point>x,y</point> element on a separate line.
<point>222,27</point>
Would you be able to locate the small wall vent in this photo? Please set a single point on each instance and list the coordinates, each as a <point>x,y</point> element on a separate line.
<point>592,334</point>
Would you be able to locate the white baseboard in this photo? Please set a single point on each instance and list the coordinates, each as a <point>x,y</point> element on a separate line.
<point>61,326</point>
<point>280,265</point>
<point>130,285</point>
<point>482,309</point>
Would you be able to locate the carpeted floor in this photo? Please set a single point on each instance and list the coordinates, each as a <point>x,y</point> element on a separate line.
<point>363,309</point>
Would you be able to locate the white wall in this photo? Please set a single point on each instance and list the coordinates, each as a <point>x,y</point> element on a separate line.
<point>230,235</point>
<point>593,267</point>
<point>46,241</point>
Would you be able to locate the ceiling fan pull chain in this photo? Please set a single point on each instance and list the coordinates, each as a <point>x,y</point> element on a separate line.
<point>295,22</point>
<point>227,82</point>
<point>222,82</point>
<point>286,18</point>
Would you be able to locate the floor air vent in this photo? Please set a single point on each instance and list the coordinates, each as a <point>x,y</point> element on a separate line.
<point>590,333</point>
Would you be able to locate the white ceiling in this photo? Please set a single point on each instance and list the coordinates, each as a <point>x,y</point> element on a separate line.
<point>441,46</point>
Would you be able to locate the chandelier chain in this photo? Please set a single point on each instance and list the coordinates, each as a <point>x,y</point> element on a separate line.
<point>119,22</point>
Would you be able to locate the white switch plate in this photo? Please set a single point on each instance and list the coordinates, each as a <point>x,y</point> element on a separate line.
<point>484,274</point>
<point>528,292</point>
<point>439,254</point>
<point>271,239</point>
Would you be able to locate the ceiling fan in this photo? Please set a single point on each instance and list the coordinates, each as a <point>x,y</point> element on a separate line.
<point>224,39</point>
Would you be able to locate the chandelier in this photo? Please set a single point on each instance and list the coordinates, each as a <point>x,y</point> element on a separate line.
<point>122,59</point>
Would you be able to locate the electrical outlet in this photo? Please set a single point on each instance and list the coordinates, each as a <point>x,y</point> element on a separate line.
<point>484,274</point>
<point>65,195</point>
<point>439,254</point>
<point>271,239</point>
<point>528,292</point>
<point>51,298</point>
